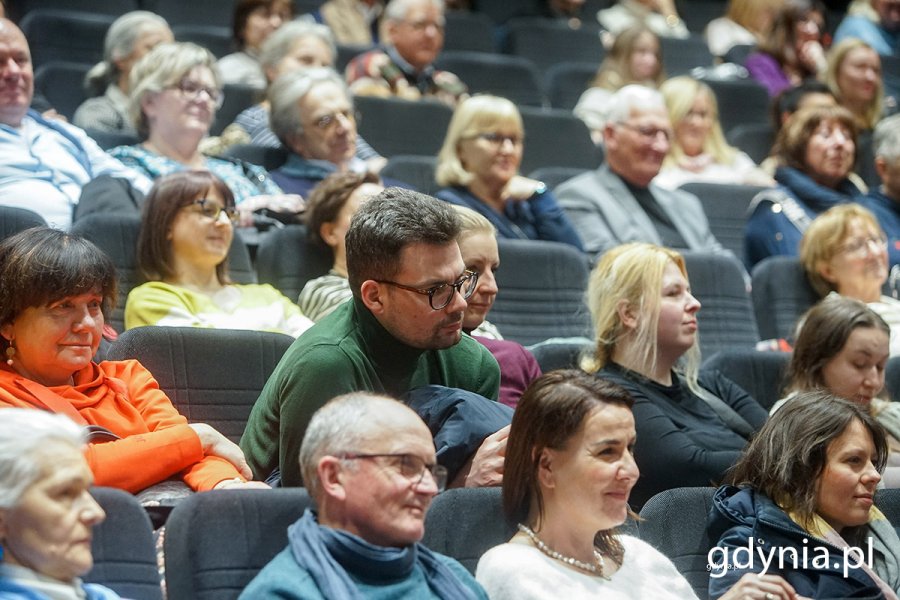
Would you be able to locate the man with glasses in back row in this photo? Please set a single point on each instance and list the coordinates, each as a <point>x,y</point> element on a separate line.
<point>401,331</point>
<point>617,203</point>
<point>369,465</point>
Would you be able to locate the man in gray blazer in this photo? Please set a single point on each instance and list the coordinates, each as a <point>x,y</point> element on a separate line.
<point>617,203</point>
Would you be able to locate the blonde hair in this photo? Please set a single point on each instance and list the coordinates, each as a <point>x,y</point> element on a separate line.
<point>615,70</point>
<point>746,13</point>
<point>836,57</point>
<point>680,94</point>
<point>631,275</point>
<point>823,238</point>
<point>472,223</point>
<point>478,114</point>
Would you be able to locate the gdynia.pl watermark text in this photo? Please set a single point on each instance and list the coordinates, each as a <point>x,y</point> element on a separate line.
<point>786,558</point>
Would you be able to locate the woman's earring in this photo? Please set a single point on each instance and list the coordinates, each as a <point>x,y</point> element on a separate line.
<point>10,353</point>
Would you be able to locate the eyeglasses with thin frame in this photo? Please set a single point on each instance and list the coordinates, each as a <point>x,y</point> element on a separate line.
<point>497,139</point>
<point>647,132</point>
<point>862,246</point>
<point>441,295</point>
<point>212,209</point>
<point>328,121</point>
<point>191,91</point>
<point>422,26</point>
<point>410,466</point>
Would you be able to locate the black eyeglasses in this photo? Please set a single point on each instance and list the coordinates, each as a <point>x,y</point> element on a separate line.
<point>441,295</point>
<point>212,209</point>
<point>410,466</point>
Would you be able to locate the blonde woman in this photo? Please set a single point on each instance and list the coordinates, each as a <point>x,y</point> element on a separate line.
<point>746,22</point>
<point>853,75</point>
<point>478,165</point>
<point>692,425</point>
<point>699,152</point>
<point>635,57</point>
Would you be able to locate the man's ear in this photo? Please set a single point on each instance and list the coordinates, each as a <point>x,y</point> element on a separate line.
<point>881,167</point>
<point>627,315</point>
<point>370,293</point>
<point>331,477</point>
<point>326,232</point>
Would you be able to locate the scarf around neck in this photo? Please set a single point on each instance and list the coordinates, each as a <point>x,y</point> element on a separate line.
<point>815,196</point>
<point>334,557</point>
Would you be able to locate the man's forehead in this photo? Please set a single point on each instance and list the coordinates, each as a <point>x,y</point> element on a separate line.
<point>647,113</point>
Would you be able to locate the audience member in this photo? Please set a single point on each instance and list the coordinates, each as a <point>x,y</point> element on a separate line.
<point>56,290</point>
<point>46,510</point>
<point>805,487</point>
<point>693,424</point>
<point>618,203</point>
<point>46,162</point>
<point>792,51</point>
<point>808,94</point>
<point>404,67</point>
<point>369,464</point>
<point>479,166</point>
<point>175,93</point>
<point>129,38</point>
<point>884,200</point>
<point>853,75</point>
<point>312,115</point>
<point>746,23</point>
<point>660,16</point>
<point>816,150</point>
<point>478,246</point>
<point>402,330</point>
<point>254,21</point>
<point>332,204</point>
<point>845,251</point>
<point>635,57</point>
<point>842,348</point>
<point>354,22</point>
<point>699,152</point>
<point>182,250</point>
<point>570,469</point>
<point>881,32</point>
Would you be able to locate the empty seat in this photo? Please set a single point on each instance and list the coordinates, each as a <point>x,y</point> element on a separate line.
<point>760,374</point>
<point>123,547</point>
<point>892,381</point>
<point>679,55</point>
<point>65,35</point>
<point>512,77</point>
<point>214,38</point>
<point>726,320</point>
<point>217,542</point>
<point>756,139</point>
<point>393,126</point>
<point>541,294</point>
<point>468,31</point>
<point>212,376</point>
<point>547,42</point>
<point>556,138</point>
<point>418,171</point>
<point>674,522</point>
<point>14,219</point>
<point>726,208</point>
<point>197,12</point>
<point>781,293</point>
<point>287,259</point>
<point>62,84</point>
<point>565,82</point>
<point>104,7</point>
<point>741,102</point>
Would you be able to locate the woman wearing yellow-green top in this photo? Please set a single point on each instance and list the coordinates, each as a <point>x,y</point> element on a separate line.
<point>182,253</point>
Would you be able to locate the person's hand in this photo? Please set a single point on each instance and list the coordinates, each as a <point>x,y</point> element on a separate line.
<point>280,203</point>
<point>216,444</point>
<point>761,587</point>
<point>52,114</point>
<point>521,188</point>
<point>487,464</point>
<point>375,165</point>
<point>812,56</point>
<point>237,484</point>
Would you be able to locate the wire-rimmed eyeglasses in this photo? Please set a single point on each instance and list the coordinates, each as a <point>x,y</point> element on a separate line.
<point>410,466</point>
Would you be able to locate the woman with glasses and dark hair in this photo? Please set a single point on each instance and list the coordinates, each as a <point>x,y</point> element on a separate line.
<point>175,92</point>
<point>479,167</point>
<point>187,230</point>
<point>844,251</point>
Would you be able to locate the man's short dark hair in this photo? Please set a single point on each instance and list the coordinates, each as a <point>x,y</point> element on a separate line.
<point>389,222</point>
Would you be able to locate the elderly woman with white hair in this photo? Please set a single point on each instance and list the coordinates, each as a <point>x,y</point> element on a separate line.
<point>129,38</point>
<point>46,511</point>
<point>175,92</point>
<point>478,165</point>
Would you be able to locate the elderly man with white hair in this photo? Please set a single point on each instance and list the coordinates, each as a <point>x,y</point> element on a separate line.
<point>404,67</point>
<point>884,200</point>
<point>369,464</point>
<point>618,203</point>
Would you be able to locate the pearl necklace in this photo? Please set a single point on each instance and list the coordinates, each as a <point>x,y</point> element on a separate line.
<point>594,569</point>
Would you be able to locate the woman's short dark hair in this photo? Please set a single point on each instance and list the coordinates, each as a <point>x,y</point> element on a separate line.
<point>169,194</point>
<point>788,455</point>
<point>244,8</point>
<point>825,329</point>
<point>328,198</point>
<point>551,412</point>
<point>41,266</point>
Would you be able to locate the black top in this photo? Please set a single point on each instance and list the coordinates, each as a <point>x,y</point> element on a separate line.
<point>668,233</point>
